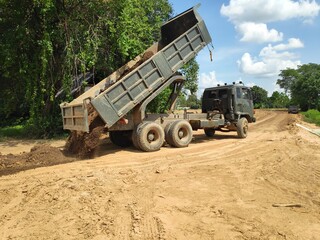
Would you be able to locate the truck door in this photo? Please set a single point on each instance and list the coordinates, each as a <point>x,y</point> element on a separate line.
<point>244,101</point>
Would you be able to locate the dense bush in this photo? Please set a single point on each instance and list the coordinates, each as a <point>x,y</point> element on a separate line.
<point>44,44</point>
<point>312,116</point>
<point>303,85</point>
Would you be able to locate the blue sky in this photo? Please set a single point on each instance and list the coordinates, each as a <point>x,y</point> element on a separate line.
<point>255,39</point>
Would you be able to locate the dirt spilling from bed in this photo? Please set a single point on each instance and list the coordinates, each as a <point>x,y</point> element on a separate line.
<point>82,144</point>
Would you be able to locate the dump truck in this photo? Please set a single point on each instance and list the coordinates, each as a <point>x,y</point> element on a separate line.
<point>117,104</point>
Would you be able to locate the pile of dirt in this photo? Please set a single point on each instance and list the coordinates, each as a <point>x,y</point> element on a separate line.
<point>39,156</point>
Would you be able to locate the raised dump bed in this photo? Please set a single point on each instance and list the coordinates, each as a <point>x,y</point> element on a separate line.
<point>182,38</point>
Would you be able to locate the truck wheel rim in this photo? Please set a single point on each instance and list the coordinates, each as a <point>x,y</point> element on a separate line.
<point>181,133</point>
<point>245,128</point>
<point>151,136</point>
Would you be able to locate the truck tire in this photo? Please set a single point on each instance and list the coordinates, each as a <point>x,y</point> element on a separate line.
<point>121,138</point>
<point>179,134</point>
<point>166,134</point>
<point>209,132</point>
<point>135,135</point>
<point>242,128</point>
<point>150,137</point>
<point>135,139</point>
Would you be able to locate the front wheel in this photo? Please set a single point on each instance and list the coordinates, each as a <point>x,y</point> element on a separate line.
<point>209,132</point>
<point>242,128</point>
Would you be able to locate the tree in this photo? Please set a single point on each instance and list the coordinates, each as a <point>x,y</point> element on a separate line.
<point>160,103</point>
<point>44,44</point>
<point>260,97</point>
<point>288,77</point>
<point>191,71</point>
<point>182,100</point>
<point>193,102</point>
<point>279,100</point>
<point>304,85</point>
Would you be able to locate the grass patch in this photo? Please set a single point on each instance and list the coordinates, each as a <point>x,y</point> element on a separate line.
<point>312,116</point>
<point>25,132</point>
<point>18,132</point>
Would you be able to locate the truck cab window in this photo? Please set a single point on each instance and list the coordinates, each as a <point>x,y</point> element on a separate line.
<point>238,93</point>
<point>245,93</point>
<point>223,93</point>
<point>213,94</point>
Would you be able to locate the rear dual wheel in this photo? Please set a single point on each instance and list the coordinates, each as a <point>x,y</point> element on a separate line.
<point>178,133</point>
<point>148,137</point>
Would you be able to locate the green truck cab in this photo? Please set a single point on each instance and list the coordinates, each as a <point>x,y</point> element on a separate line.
<point>234,102</point>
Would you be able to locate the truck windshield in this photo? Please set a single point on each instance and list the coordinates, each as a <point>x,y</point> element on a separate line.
<point>244,93</point>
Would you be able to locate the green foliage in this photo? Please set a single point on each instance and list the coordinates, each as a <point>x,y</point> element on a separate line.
<point>279,100</point>
<point>190,101</point>
<point>260,97</point>
<point>304,85</point>
<point>17,131</point>
<point>44,44</point>
<point>182,100</point>
<point>193,102</point>
<point>138,25</point>
<point>160,103</point>
<point>312,116</point>
<point>191,71</point>
<point>288,76</point>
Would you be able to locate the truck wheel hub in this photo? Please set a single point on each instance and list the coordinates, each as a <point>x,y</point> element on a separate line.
<point>180,134</point>
<point>150,137</point>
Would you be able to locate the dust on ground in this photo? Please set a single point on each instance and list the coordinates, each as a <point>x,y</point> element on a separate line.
<point>263,187</point>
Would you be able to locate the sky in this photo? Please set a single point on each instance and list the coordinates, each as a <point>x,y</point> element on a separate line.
<point>255,39</point>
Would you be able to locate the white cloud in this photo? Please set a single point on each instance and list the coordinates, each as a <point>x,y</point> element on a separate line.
<point>251,66</point>
<point>251,16</point>
<point>292,44</point>
<point>273,51</point>
<point>206,81</point>
<point>262,11</point>
<point>268,65</point>
<point>272,59</point>
<point>258,32</point>
<point>250,84</point>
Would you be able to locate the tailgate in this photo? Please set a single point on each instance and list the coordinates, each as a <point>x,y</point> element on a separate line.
<point>75,116</point>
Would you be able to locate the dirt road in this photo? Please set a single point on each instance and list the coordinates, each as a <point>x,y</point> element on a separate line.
<point>266,186</point>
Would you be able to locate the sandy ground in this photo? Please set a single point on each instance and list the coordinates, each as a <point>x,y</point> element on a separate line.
<point>263,187</point>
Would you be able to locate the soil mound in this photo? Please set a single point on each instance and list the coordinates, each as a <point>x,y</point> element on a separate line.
<point>39,156</point>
